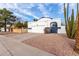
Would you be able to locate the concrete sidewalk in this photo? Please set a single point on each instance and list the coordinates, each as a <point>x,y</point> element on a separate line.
<point>13,47</point>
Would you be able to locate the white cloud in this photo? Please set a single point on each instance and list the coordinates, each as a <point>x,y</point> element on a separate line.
<point>72,5</point>
<point>26,5</point>
<point>30,5</point>
<point>19,9</point>
<point>22,17</point>
<point>61,8</point>
<point>2,5</point>
<point>27,12</point>
<point>7,5</point>
<point>43,10</point>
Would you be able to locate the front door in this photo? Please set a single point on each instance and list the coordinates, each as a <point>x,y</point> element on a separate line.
<point>54,27</point>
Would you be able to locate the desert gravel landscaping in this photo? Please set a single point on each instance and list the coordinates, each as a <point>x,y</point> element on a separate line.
<point>56,44</point>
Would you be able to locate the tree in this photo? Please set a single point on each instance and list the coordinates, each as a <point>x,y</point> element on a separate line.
<point>11,20</point>
<point>6,16</point>
<point>18,24</point>
<point>1,24</point>
<point>25,25</point>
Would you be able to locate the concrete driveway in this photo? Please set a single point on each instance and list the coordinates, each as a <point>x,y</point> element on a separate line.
<point>12,47</point>
<point>23,36</point>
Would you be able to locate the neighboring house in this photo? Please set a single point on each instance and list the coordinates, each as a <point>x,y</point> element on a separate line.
<point>42,23</point>
<point>2,29</point>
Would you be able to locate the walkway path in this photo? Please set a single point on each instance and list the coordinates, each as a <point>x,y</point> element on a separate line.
<point>13,47</point>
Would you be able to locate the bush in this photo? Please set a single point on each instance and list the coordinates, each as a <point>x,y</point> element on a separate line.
<point>47,30</point>
<point>25,25</point>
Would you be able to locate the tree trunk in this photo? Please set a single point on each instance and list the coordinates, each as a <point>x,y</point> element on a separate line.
<point>5,25</point>
<point>77,35</point>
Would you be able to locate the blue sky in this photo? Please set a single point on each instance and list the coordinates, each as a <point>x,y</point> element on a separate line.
<point>30,11</point>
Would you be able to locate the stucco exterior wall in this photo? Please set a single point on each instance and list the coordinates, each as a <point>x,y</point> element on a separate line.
<point>62,30</point>
<point>39,26</point>
<point>16,30</point>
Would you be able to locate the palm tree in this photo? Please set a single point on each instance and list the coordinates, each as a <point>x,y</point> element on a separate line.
<point>6,16</point>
